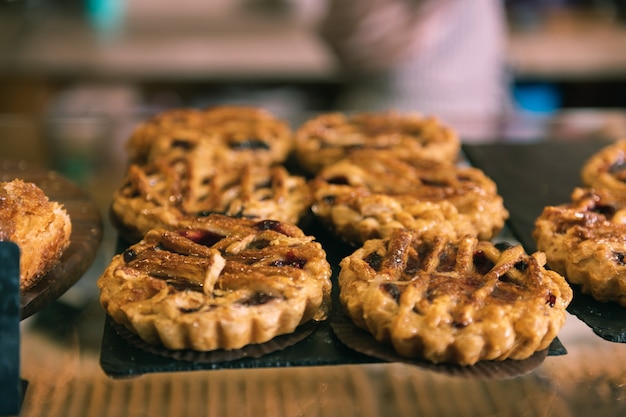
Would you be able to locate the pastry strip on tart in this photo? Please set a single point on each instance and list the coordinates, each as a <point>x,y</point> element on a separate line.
<point>458,301</point>
<point>368,195</point>
<point>170,195</point>
<point>327,138</point>
<point>223,285</point>
<point>230,135</point>
<point>41,228</point>
<point>585,240</point>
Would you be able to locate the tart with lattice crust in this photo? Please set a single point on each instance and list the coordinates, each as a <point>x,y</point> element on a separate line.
<point>606,170</point>
<point>367,195</point>
<point>170,195</point>
<point>330,137</point>
<point>225,284</point>
<point>453,301</point>
<point>226,135</point>
<point>585,240</point>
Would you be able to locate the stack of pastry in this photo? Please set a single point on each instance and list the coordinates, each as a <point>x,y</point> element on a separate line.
<point>425,277</point>
<point>585,239</point>
<point>220,262</point>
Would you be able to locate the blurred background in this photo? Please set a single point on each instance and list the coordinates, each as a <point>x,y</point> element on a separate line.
<point>77,75</point>
<point>83,71</point>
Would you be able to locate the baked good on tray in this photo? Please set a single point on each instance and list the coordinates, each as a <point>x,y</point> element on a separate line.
<point>329,137</point>
<point>585,240</point>
<point>228,135</point>
<point>369,194</point>
<point>606,170</point>
<point>455,301</point>
<point>40,227</point>
<point>223,284</point>
<point>172,194</point>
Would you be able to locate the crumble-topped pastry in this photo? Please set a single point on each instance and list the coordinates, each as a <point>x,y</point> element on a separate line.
<point>170,195</point>
<point>330,137</point>
<point>40,227</point>
<point>369,194</point>
<point>228,135</point>
<point>222,284</point>
<point>453,301</point>
<point>585,240</point>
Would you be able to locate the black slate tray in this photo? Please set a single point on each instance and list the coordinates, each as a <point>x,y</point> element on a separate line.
<point>531,176</point>
<point>120,358</point>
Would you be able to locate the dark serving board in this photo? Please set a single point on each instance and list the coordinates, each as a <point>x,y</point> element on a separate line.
<point>84,241</point>
<point>531,176</point>
<point>121,358</point>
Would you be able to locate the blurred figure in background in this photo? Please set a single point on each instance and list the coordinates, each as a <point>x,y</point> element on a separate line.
<point>441,57</point>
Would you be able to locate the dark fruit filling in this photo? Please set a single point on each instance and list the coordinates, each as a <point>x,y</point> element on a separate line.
<point>291,260</point>
<point>605,210</point>
<point>392,290</point>
<point>129,255</point>
<point>482,263</point>
<point>502,246</point>
<point>269,225</point>
<point>339,180</point>
<point>202,237</point>
<point>374,260</point>
<point>551,300</point>
<point>250,144</point>
<point>433,182</point>
<point>521,266</point>
<point>620,257</point>
<point>258,298</point>
<point>182,144</point>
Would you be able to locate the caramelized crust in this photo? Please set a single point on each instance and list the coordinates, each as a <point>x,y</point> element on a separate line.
<point>606,170</point>
<point>226,135</point>
<point>453,301</point>
<point>585,240</point>
<point>221,285</point>
<point>170,195</point>
<point>369,194</point>
<point>330,137</point>
<point>40,227</point>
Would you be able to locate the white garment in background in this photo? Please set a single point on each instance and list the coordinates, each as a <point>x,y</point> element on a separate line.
<point>453,66</point>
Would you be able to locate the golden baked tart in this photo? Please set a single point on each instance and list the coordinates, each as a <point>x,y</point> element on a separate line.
<point>368,194</point>
<point>40,227</point>
<point>224,284</point>
<point>226,135</point>
<point>585,240</point>
<point>449,301</point>
<point>607,170</point>
<point>330,137</point>
<point>172,194</point>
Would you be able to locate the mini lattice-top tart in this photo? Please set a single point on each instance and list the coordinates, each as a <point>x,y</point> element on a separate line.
<point>453,301</point>
<point>606,170</point>
<point>225,135</point>
<point>225,284</point>
<point>585,240</point>
<point>170,195</point>
<point>368,195</point>
<point>330,137</point>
